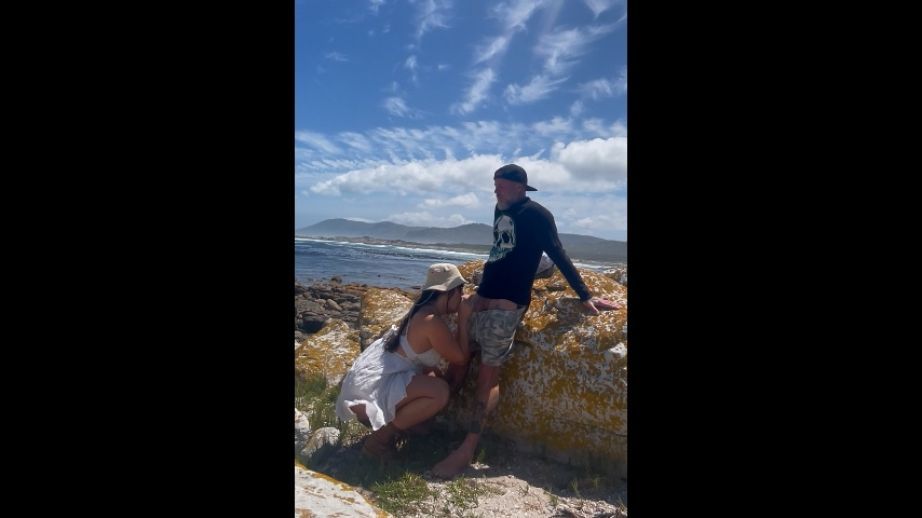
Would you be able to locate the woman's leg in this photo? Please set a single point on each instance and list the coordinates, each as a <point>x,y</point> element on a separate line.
<point>426,395</point>
<point>359,411</point>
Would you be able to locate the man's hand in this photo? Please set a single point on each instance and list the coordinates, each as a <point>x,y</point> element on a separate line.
<point>595,304</point>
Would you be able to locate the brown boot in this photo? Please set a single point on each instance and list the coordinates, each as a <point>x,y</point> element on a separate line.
<point>380,444</point>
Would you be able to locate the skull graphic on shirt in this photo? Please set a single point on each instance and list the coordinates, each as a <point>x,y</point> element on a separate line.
<point>503,238</point>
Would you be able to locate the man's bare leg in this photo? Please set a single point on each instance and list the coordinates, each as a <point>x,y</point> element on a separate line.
<point>487,399</point>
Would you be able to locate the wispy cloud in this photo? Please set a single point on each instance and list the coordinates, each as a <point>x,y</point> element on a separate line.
<point>491,48</point>
<point>539,88</point>
<point>600,6</point>
<point>603,88</point>
<point>356,141</point>
<point>557,126</point>
<point>576,108</point>
<point>432,14</point>
<point>419,177</point>
<point>512,17</point>
<point>336,56</point>
<point>410,64</point>
<point>397,106</point>
<point>468,200</point>
<point>562,48</point>
<point>397,145</point>
<point>596,165</point>
<point>374,5</point>
<point>318,141</point>
<point>515,14</point>
<point>477,92</point>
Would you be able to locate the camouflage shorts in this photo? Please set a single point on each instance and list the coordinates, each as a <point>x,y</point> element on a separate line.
<point>494,332</point>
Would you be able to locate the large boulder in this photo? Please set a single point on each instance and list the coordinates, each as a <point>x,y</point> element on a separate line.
<point>381,308</point>
<point>317,494</point>
<point>330,351</point>
<point>564,387</point>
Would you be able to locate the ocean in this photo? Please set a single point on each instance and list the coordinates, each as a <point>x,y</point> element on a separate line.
<point>380,265</point>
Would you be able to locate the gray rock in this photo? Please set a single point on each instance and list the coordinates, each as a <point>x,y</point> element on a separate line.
<point>302,430</point>
<point>307,305</point>
<point>320,495</point>
<point>311,323</point>
<point>321,443</point>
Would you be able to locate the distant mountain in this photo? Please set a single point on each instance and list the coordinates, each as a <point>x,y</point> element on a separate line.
<point>577,246</point>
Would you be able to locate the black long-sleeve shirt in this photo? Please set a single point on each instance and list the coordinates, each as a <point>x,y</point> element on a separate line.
<point>520,234</point>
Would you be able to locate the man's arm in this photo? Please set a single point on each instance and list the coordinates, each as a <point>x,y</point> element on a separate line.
<point>550,243</point>
<point>554,249</point>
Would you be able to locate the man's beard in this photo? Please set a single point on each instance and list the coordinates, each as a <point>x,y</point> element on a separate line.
<point>503,205</point>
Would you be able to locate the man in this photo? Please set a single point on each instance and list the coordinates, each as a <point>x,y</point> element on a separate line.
<point>522,230</point>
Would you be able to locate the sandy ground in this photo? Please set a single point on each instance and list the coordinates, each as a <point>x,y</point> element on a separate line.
<point>506,482</point>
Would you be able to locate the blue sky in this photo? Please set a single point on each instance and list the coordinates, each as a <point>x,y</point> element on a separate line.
<point>404,108</point>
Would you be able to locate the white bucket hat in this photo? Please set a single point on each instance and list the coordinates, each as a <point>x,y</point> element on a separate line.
<point>443,277</point>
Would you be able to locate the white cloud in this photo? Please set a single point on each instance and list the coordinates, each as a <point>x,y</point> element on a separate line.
<point>397,106</point>
<point>432,14</point>
<point>398,145</point>
<point>425,219</point>
<point>603,221</point>
<point>492,48</point>
<point>516,13</point>
<point>419,177</point>
<point>604,88</point>
<point>356,141</point>
<point>600,6</point>
<point>557,125</point>
<point>468,200</point>
<point>317,141</point>
<point>596,159</point>
<point>336,56</point>
<point>374,5</point>
<point>410,64</point>
<point>594,166</point>
<point>540,87</point>
<point>562,48</point>
<point>477,92</point>
<point>443,66</point>
<point>576,108</point>
<point>596,127</point>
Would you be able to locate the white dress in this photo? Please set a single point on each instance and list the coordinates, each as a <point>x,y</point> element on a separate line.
<point>378,379</point>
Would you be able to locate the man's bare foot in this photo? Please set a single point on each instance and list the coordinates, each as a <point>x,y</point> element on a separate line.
<point>452,465</point>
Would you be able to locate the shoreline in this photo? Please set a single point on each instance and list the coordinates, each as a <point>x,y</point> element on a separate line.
<point>483,250</point>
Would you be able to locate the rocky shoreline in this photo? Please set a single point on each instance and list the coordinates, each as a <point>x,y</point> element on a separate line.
<point>318,303</point>
<point>335,321</point>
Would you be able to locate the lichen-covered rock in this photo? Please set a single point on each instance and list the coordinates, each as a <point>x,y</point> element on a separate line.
<point>618,274</point>
<point>330,351</point>
<point>564,387</point>
<point>317,494</point>
<point>381,308</point>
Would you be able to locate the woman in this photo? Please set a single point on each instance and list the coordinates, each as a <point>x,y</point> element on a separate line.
<point>390,387</point>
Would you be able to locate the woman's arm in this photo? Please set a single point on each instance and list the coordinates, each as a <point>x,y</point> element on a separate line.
<point>442,340</point>
<point>464,315</point>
